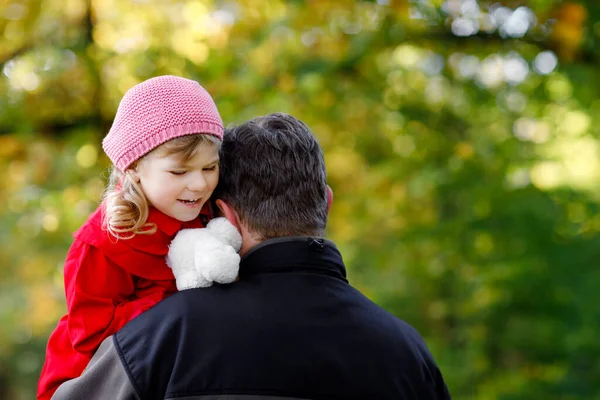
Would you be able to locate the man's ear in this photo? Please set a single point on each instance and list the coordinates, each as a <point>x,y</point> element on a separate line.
<point>329,198</point>
<point>228,212</point>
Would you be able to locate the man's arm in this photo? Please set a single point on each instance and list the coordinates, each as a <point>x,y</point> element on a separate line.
<point>104,378</point>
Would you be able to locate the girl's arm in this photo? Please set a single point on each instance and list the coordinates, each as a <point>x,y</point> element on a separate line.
<point>100,298</point>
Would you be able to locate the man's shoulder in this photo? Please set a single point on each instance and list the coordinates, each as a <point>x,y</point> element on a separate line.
<point>390,330</point>
<point>383,316</point>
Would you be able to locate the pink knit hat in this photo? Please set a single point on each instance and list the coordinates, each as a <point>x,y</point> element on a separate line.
<point>156,111</point>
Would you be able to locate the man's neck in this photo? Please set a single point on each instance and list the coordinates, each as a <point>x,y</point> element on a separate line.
<point>263,243</point>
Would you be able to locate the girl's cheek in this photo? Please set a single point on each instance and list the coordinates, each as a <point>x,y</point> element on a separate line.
<point>215,179</point>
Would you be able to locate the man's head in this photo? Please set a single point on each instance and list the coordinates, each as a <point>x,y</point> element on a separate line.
<point>272,176</point>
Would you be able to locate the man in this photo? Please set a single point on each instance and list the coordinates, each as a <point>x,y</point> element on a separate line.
<point>292,327</point>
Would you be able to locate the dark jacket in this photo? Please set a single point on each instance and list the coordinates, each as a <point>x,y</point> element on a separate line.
<point>291,328</point>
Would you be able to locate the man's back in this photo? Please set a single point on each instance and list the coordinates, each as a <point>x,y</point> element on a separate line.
<point>291,328</point>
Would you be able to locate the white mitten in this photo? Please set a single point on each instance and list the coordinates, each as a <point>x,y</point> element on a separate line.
<point>181,259</point>
<point>226,232</point>
<point>199,257</point>
<point>216,257</point>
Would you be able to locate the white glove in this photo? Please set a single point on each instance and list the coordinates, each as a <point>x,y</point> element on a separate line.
<point>199,257</point>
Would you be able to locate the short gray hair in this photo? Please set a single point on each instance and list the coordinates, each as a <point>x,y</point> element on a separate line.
<point>272,172</point>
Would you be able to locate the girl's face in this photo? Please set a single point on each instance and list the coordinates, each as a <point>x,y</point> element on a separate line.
<point>176,187</point>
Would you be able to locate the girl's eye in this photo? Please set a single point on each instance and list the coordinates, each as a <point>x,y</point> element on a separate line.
<point>177,172</point>
<point>213,168</point>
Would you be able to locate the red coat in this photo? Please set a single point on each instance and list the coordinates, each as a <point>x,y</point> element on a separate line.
<point>107,284</point>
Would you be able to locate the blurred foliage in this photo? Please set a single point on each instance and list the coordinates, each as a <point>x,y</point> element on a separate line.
<point>462,142</point>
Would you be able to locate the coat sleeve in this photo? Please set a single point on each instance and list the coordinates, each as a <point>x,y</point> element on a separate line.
<point>104,378</point>
<point>100,297</point>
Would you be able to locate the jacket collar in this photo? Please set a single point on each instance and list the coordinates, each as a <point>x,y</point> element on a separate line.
<point>294,254</point>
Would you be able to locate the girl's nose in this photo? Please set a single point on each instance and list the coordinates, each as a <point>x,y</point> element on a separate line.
<point>197,182</point>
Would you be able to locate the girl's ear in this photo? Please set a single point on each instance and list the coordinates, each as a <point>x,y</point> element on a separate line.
<point>133,173</point>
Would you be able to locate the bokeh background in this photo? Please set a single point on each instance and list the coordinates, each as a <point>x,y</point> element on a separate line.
<point>462,143</point>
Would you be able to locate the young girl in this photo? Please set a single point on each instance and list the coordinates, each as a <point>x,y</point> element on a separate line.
<point>164,145</point>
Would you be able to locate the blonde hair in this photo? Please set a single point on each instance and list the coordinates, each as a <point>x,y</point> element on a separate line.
<point>126,206</point>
